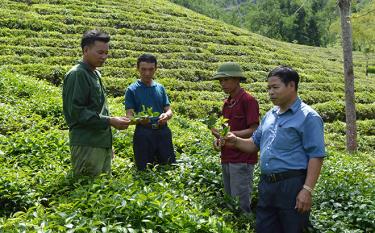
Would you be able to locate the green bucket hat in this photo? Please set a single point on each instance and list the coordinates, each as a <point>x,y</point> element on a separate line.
<point>229,70</point>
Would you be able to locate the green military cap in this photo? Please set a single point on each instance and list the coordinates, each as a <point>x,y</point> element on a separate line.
<point>229,70</point>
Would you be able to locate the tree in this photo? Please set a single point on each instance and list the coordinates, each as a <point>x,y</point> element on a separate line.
<point>310,22</point>
<point>346,29</point>
<point>364,31</point>
<point>301,21</point>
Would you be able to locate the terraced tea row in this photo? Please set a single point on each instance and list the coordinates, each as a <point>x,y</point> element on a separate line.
<point>28,103</point>
<point>35,43</point>
<point>211,52</point>
<point>230,33</point>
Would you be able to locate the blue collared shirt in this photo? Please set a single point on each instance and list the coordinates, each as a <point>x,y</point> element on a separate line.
<point>288,140</point>
<point>139,94</point>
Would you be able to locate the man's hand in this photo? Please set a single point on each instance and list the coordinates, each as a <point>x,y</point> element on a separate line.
<point>217,144</point>
<point>303,201</point>
<point>163,118</point>
<point>119,122</point>
<point>230,139</point>
<point>215,132</point>
<point>144,121</point>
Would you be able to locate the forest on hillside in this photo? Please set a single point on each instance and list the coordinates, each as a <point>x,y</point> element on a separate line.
<point>309,22</point>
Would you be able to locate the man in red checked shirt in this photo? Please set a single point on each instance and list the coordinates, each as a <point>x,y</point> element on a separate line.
<point>242,111</point>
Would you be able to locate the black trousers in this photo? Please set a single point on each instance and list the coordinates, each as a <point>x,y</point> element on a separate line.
<point>275,210</point>
<point>153,146</point>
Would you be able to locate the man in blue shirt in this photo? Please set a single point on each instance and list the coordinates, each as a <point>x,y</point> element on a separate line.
<point>291,142</point>
<point>152,141</point>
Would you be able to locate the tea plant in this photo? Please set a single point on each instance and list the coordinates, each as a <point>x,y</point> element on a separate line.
<point>220,124</point>
<point>143,116</point>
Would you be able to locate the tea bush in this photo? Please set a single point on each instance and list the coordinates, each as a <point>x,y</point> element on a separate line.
<point>344,195</point>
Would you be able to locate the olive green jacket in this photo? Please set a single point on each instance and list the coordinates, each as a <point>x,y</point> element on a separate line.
<point>85,108</point>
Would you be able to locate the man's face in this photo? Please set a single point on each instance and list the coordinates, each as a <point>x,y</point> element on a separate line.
<point>280,94</point>
<point>146,70</point>
<point>229,84</point>
<point>96,54</point>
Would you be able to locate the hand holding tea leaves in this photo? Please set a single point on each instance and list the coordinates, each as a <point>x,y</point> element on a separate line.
<point>219,128</point>
<point>223,127</point>
<point>163,118</point>
<point>144,116</point>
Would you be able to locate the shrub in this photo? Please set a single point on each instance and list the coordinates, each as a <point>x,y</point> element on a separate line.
<point>331,111</point>
<point>343,198</point>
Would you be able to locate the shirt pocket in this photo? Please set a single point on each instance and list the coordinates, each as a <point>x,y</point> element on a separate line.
<point>238,116</point>
<point>237,122</point>
<point>286,139</point>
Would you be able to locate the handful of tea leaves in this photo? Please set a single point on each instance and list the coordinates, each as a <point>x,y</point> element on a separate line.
<point>143,116</point>
<point>221,124</point>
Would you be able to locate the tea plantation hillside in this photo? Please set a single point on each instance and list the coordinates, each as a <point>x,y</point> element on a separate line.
<point>39,42</point>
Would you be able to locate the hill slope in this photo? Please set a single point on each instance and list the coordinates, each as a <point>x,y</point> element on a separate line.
<point>39,40</point>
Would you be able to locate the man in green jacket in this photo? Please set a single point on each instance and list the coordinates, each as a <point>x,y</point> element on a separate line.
<point>86,111</point>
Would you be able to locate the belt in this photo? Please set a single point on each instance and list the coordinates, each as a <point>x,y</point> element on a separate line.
<point>152,126</point>
<point>276,177</point>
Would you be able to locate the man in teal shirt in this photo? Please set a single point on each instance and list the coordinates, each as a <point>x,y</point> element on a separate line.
<point>86,111</point>
<point>152,141</point>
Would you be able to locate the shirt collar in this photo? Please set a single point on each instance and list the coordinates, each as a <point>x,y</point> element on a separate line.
<point>86,66</point>
<point>144,85</point>
<point>293,108</point>
<point>296,105</point>
<point>235,99</point>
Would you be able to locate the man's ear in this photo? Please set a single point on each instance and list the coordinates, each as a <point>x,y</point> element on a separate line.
<point>85,49</point>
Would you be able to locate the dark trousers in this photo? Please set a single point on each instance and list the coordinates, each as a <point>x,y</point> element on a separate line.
<point>153,146</point>
<point>275,210</point>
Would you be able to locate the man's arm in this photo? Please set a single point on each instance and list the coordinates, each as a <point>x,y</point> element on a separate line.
<point>166,115</point>
<point>246,133</point>
<point>304,197</point>
<point>119,122</point>
<point>313,144</point>
<point>251,108</point>
<point>75,93</point>
<point>244,145</point>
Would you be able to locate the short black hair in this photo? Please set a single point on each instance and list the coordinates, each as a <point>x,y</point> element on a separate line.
<point>91,36</point>
<point>149,58</point>
<point>286,75</point>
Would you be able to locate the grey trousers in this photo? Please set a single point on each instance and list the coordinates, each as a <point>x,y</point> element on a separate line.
<point>238,182</point>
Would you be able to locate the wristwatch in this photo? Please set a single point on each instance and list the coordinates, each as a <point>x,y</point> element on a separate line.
<point>308,188</point>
